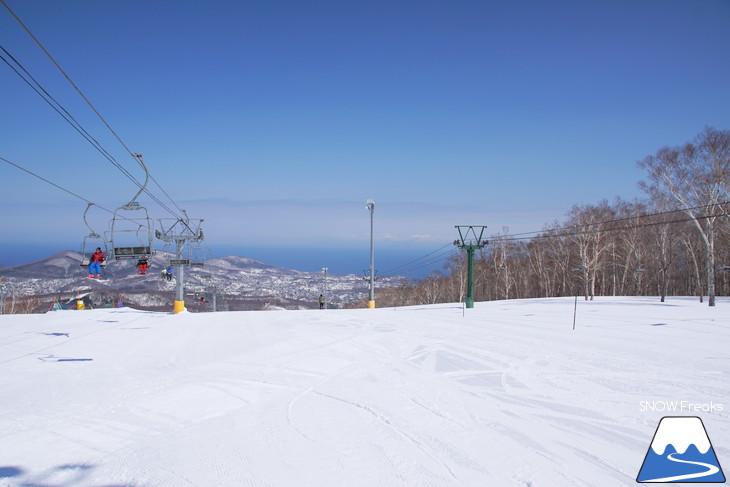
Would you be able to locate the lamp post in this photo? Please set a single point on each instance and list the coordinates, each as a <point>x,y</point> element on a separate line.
<point>324,269</point>
<point>370,205</point>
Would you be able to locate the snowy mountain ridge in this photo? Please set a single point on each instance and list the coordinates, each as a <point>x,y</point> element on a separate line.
<point>230,275</point>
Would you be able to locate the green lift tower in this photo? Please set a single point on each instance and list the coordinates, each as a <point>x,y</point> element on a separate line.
<point>470,241</point>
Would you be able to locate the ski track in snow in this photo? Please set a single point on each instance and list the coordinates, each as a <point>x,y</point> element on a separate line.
<point>507,395</point>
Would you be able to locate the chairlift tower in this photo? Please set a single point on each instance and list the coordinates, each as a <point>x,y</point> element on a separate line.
<point>470,241</point>
<point>180,231</point>
<point>213,289</point>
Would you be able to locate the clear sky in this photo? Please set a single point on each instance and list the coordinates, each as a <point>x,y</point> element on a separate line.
<point>275,121</point>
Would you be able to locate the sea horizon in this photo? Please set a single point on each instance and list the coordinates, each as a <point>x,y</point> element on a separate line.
<point>338,261</point>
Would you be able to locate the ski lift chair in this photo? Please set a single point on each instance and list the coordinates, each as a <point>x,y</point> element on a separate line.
<point>131,243</point>
<point>131,227</point>
<point>91,242</point>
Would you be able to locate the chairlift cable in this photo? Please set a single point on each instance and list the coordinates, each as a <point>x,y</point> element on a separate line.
<point>441,257</point>
<point>53,103</point>
<point>55,185</point>
<point>47,97</point>
<point>616,220</point>
<point>406,265</point>
<point>547,233</point>
<point>409,267</point>
<point>607,230</point>
<point>63,72</point>
<point>88,102</point>
<point>51,182</point>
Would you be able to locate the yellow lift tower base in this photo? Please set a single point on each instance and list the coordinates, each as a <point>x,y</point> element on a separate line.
<point>371,304</point>
<point>178,307</point>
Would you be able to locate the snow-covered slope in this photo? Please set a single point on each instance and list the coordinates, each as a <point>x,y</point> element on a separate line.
<point>505,394</point>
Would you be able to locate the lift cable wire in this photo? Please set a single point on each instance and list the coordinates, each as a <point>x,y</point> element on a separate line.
<point>59,187</point>
<point>38,88</point>
<point>616,220</point>
<point>410,265</point>
<point>607,230</point>
<point>96,112</point>
<point>48,98</point>
<point>436,259</point>
<point>53,184</point>
<point>568,231</point>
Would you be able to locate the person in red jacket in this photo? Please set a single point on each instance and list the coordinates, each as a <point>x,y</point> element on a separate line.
<point>97,258</point>
<point>142,264</point>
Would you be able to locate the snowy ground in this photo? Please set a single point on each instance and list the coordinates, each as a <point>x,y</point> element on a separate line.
<point>507,395</point>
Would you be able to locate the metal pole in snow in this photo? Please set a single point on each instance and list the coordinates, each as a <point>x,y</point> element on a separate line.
<point>179,304</point>
<point>371,302</point>
<point>575,310</point>
<point>325,287</point>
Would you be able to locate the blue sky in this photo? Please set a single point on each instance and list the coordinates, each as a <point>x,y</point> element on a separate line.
<point>275,121</point>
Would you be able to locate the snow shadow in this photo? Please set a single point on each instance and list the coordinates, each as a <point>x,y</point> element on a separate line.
<point>435,306</point>
<point>56,334</point>
<point>68,475</point>
<point>660,324</point>
<point>53,358</point>
<point>9,472</point>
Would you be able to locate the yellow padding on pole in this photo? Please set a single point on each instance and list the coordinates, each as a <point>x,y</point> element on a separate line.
<point>371,304</point>
<point>178,307</point>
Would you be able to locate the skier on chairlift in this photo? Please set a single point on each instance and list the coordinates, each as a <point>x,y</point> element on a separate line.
<point>142,264</point>
<point>95,261</point>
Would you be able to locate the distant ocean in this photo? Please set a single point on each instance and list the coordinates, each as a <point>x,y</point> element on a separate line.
<point>388,261</point>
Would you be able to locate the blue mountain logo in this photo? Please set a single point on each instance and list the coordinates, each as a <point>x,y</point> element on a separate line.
<point>681,452</point>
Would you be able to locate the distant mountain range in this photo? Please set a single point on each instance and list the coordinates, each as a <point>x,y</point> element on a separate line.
<point>237,282</point>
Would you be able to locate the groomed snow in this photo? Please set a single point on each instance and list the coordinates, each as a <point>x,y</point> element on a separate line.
<point>505,394</point>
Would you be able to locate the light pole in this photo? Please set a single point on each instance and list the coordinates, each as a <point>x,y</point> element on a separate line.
<point>370,205</point>
<point>324,269</point>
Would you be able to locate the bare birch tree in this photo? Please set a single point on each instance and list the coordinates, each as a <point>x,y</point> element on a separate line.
<point>697,176</point>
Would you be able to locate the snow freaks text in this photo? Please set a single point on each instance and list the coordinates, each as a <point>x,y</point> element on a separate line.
<point>680,407</point>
